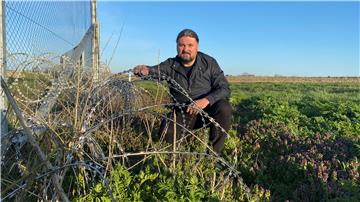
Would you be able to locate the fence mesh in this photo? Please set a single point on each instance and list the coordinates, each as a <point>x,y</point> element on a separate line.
<point>44,28</point>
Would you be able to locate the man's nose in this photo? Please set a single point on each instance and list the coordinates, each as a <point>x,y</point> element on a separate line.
<point>186,48</point>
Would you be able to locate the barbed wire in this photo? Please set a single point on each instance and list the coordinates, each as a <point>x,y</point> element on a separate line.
<point>126,98</point>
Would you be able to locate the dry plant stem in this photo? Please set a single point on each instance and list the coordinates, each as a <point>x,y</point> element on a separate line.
<point>108,165</point>
<point>222,194</point>
<point>148,127</point>
<point>33,142</point>
<point>223,191</point>
<point>213,183</point>
<point>77,97</point>
<point>174,142</point>
<point>162,160</point>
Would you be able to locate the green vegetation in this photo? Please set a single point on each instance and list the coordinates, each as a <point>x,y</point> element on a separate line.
<point>301,141</point>
<point>289,141</point>
<point>298,142</point>
<point>306,109</point>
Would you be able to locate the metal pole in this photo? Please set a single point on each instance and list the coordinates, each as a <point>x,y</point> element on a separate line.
<point>95,42</point>
<point>2,67</point>
<point>4,123</point>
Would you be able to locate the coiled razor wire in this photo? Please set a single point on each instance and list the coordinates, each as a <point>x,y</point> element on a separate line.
<point>133,97</point>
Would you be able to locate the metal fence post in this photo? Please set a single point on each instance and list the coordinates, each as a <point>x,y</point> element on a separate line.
<point>4,123</point>
<point>2,67</point>
<point>95,42</point>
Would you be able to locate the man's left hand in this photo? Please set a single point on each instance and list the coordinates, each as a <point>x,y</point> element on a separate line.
<point>194,108</point>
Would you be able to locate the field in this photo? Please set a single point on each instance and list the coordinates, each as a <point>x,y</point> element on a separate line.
<point>291,139</point>
<point>292,79</point>
<point>299,138</point>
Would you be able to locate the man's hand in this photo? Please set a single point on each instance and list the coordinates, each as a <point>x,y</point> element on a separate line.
<point>194,108</point>
<point>141,70</point>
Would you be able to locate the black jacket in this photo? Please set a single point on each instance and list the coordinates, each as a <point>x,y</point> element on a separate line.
<point>206,79</point>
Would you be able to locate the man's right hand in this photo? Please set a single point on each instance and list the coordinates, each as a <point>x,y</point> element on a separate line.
<point>141,70</point>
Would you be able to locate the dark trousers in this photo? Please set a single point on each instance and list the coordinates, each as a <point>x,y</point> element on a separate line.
<point>220,111</point>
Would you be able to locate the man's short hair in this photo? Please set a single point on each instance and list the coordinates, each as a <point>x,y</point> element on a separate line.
<point>189,33</point>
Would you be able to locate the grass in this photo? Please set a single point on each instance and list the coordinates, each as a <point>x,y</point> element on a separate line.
<point>285,136</point>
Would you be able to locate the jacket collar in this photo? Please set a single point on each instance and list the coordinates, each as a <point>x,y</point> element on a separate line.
<point>177,66</point>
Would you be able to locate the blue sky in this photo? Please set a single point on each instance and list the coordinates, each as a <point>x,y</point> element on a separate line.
<point>261,38</point>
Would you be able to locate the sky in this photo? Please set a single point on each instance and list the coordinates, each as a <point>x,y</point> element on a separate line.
<point>262,38</point>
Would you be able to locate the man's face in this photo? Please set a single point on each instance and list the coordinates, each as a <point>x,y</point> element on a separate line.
<point>187,48</point>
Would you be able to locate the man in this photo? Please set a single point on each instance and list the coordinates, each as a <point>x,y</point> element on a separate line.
<point>201,77</point>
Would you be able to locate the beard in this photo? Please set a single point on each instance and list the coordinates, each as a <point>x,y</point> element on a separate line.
<point>186,57</point>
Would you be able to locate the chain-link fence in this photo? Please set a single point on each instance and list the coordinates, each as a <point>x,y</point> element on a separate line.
<point>41,27</point>
<point>43,35</point>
